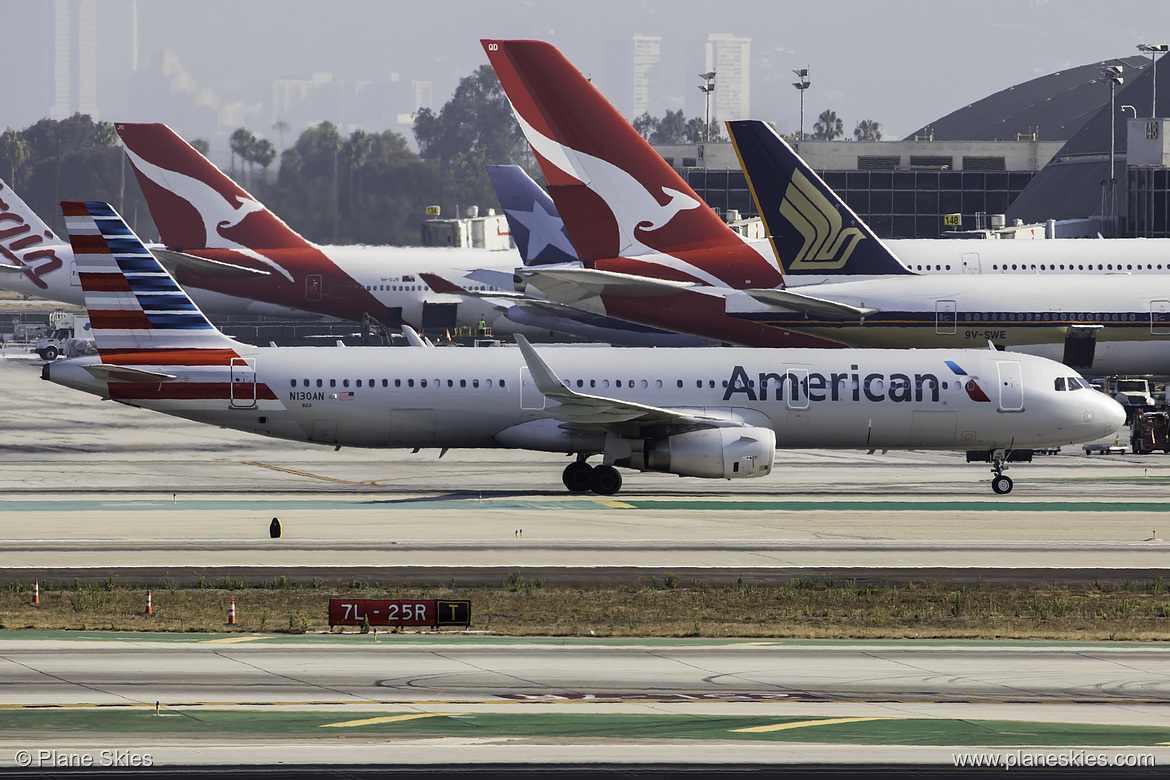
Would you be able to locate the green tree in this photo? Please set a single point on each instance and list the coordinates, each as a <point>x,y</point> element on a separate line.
<point>474,129</point>
<point>241,142</point>
<point>201,145</point>
<point>828,126</point>
<point>281,127</point>
<point>671,130</point>
<point>867,130</point>
<point>15,153</point>
<point>262,153</point>
<point>646,125</point>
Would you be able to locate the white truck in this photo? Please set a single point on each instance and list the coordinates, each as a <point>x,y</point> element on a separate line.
<point>1134,394</point>
<point>70,333</point>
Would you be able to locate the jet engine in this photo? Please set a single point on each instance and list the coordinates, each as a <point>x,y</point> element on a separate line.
<point>713,453</point>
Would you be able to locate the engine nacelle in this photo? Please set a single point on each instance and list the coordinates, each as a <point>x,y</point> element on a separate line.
<point>713,453</point>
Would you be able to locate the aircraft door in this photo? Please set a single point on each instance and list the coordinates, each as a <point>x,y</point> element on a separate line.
<point>1011,386</point>
<point>796,388</point>
<point>1160,318</point>
<point>530,395</point>
<point>1080,346</point>
<point>945,317</point>
<point>243,393</point>
<point>313,287</point>
<point>971,263</point>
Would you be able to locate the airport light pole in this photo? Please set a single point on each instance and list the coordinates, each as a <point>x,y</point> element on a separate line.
<point>707,88</point>
<point>1112,74</point>
<point>801,86</point>
<point>1154,49</point>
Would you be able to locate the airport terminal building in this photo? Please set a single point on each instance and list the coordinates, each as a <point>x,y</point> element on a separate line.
<point>1037,152</point>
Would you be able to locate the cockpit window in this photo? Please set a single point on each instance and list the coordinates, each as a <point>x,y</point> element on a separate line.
<point>1078,383</point>
<point>1060,384</point>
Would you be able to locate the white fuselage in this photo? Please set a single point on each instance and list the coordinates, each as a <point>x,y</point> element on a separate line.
<point>417,397</point>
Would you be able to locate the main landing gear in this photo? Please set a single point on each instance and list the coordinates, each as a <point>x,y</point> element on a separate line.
<point>1000,483</point>
<point>580,477</point>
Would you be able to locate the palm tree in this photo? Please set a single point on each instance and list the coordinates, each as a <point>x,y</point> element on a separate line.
<point>241,142</point>
<point>828,126</point>
<point>14,150</point>
<point>867,130</point>
<point>356,150</point>
<point>262,153</point>
<point>281,127</point>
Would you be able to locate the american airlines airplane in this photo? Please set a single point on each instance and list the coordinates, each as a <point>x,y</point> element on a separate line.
<point>714,413</point>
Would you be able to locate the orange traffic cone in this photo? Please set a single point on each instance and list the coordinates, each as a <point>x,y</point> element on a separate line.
<point>232,613</point>
<point>36,591</point>
<point>149,608</point>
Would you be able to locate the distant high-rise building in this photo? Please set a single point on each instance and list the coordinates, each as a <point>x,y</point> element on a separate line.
<point>75,38</point>
<point>730,58</point>
<point>422,95</point>
<point>632,75</point>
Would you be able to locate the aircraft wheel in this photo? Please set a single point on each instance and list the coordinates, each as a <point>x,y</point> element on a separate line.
<point>577,476</point>
<point>605,480</point>
<point>1002,484</point>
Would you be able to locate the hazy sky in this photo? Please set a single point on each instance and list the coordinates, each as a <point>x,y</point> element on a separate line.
<point>900,62</point>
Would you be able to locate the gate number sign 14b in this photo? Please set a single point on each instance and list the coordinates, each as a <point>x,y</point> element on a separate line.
<point>399,612</point>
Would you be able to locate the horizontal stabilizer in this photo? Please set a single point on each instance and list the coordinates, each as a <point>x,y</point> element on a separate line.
<point>569,285</point>
<point>12,269</point>
<point>807,304</point>
<point>127,374</point>
<point>202,265</point>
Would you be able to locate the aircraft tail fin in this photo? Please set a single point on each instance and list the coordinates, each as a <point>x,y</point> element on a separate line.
<point>27,244</point>
<point>193,203</point>
<point>532,217</point>
<point>134,304</point>
<point>616,195</point>
<point>811,229</point>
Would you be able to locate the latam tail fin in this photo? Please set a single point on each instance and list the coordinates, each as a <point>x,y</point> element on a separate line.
<point>193,203</point>
<point>134,304</point>
<point>616,195</point>
<point>811,229</point>
<point>532,217</point>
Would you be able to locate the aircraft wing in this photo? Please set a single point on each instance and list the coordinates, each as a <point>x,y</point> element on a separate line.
<point>202,265</point>
<point>126,373</point>
<point>586,409</point>
<point>442,285</point>
<point>807,304</point>
<point>569,285</point>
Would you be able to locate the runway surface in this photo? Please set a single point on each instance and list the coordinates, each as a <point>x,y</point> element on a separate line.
<point>431,699</point>
<point>89,487</point>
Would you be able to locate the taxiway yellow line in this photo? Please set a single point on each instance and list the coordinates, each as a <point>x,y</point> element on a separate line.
<point>803,723</point>
<point>387,719</point>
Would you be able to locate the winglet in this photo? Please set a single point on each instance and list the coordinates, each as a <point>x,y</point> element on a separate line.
<point>546,379</point>
<point>811,229</point>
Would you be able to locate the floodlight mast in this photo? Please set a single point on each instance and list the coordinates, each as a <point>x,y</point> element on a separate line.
<point>802,85</point>
<point>707,88</point>
<point>1154,49</point>
<point>1112,74</point>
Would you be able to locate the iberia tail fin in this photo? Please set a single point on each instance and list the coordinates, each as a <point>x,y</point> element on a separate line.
<point>193,204</point>
<point>616,195</point>
<point>811,229</point>
<point>134,304</point>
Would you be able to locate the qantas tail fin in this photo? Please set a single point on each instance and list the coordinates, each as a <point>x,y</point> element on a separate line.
<point>193,203</point>
<point>811,229</point>
<point>134,304</point>
<point>532,217</point>
<point>616,195</point>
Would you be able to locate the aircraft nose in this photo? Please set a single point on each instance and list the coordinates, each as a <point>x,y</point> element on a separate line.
<point>1110,413</point>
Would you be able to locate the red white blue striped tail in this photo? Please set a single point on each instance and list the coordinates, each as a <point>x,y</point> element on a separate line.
<point>134,304</point>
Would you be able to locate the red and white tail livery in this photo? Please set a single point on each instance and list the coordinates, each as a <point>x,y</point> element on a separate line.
<point>617,196</point>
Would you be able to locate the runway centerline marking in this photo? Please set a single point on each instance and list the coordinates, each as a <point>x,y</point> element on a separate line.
<point>803,723</point>
<point>386,719</point>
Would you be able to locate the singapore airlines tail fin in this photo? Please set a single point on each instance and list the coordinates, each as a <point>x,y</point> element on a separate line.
<point>811,229</point>
<point>134,304</point>
<point>193,203</point>
<point>532,217</point>
<point>616,195</point>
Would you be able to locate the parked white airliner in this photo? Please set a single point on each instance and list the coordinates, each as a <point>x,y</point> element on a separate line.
<point>716,413</point>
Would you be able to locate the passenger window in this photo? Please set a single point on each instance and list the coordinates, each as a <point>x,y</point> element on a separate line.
<point>487,383</point>
<point>593,383</point>
<point>605,383</point>
<point>294,383</point>
<point>333,383</point>
<point>319,383</point>
<point>1060,384</point>
<point>385,383</point>
<point>502,383</point>
<point>422,383</point>
<point>680,383</point>
<point>398,383</point>
<point>617,383</point>
<point>450,383</point>
<point>306,381</point>
<point>359,383</point>
<point>475,383</point>
<point>463,383</point>
<point>580,383</point>
<point>410,383</point>
<point>345,383</point>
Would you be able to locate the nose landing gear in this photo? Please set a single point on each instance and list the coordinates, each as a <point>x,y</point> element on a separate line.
<point>1000,483</point>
